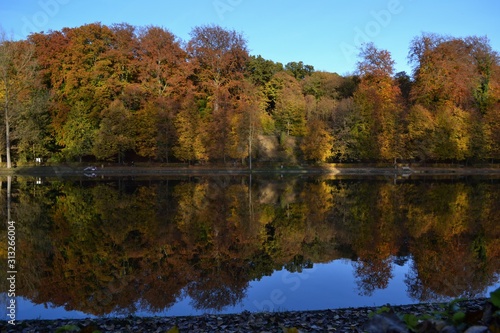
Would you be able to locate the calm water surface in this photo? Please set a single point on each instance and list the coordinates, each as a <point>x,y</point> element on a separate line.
<point>192,245</point>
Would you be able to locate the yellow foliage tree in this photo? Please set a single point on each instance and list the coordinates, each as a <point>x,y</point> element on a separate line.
<point>317,145</point>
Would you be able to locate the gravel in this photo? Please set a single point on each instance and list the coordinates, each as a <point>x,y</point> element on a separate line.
<point>337,320</point>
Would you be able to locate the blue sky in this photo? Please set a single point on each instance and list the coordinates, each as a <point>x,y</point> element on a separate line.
<point>322,33</point>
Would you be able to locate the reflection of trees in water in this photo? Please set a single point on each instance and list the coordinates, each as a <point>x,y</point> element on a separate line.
<point>103,247</point>
<point>450,269</point>
<point>372,275</point>
<point>369,223</point>
<point>213,291</point>
<point>455,240</point>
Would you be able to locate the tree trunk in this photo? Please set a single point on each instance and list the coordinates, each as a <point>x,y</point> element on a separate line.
<point>250,147</point>
<point>9,197</point>
<point>7,138</point>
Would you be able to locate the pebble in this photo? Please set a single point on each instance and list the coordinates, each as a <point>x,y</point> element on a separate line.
<point>477,329</point>
<point>338,320</point>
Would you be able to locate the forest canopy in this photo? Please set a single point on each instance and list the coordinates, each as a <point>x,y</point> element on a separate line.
<point>122,93</point>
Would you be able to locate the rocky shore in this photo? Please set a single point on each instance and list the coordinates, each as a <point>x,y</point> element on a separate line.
<point>477,318</point>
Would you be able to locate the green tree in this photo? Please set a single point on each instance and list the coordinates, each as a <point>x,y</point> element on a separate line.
<point>321,90</point>
<point>347,124</point>
<point>323,84</point>
<point>405,84</point>
<point>298,70</point>
<point>115,134</point>
<point>32,131</point>
<point>285,102</point>
<point>260,70</point>
<point>78,133</point>
<point>492,131</point>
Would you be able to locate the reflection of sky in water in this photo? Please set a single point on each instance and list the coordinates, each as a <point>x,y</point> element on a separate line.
<point>28,310</point>
<point>326,286</point>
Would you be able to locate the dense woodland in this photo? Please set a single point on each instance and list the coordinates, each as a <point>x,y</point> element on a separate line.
<point>123,93</point>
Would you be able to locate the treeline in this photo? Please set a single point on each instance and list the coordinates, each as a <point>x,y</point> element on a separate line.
<point>120,92</point>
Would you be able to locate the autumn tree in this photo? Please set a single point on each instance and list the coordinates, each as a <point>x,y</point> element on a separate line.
<point>245,123</point>
<point>50,50</point>
<point>317,144</point>
<point>191,135</point>
<point>161,62</point>
<point>122,56</point>
<point>155,131</point>
<point>218,59</point>
<point>2,143</point>
<point>17,73</point>
<point>88,67</point>
<point>162,76</point>
<point>452,140</point>
<point>453,79</point>
<point>447,110</point>
<point>87,79</point>
<point>420,133</point>
<point>378,101</point>
<point>443,71</point>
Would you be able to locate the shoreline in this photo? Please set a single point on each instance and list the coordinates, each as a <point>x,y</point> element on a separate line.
<point>331,320</point>
<point>63,170</point>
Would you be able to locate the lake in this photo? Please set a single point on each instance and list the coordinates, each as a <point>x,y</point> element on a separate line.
<point>188,245</point>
